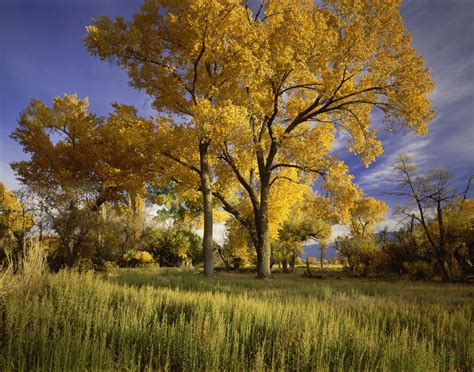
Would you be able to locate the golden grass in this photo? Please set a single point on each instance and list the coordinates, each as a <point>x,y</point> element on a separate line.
<point>161,319</point>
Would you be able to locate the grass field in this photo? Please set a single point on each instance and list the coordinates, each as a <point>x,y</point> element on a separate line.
<point>160,319</point>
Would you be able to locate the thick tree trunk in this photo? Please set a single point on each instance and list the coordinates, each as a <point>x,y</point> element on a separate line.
<point>263,248</point>
<point>208,256</point>
<point>263,261</point>
<point>137,222</point>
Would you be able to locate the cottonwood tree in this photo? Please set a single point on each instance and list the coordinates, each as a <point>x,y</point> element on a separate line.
<point>310,218</point>
<point>428,196</point>
<point>311,70</point>
<point>183,54</point>
<point>365,214</point>
<point>70,146</point>
<point>359,247</point>
<point>295,71</point>
<point>79,161</point>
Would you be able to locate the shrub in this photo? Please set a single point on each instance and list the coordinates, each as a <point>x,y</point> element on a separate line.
<point>419,270</point>
<point>172,246</point>
<point>359,255</point>
<point>134,258</point>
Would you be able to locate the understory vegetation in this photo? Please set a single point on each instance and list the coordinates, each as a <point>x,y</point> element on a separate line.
<point>162,319</point>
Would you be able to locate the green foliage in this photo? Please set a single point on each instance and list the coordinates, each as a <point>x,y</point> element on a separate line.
<point>172,246</point>
<point>168,319</point>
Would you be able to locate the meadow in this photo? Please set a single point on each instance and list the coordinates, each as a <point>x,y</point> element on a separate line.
<point>172,319</point>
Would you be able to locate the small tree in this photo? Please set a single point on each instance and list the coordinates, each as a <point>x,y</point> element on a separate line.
<point>429,196</point>
<point>359,250</point>
<point>305,223</point>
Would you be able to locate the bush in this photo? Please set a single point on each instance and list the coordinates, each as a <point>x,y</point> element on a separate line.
<point>134,258</point>
<point>419,270</point>
<point>359,255</point>
<point>172,246</point>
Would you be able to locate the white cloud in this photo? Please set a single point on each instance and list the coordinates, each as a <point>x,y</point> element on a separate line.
<point>340,141</point>
<point>409,145</point>
<point>219,232</point>
<point>338,230</point>
<point>390,223</point>
<point>451,84</point>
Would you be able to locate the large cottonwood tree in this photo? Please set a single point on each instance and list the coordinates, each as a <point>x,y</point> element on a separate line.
<point>312,70</point>
<point>295,71</point>
<point>183,54</point>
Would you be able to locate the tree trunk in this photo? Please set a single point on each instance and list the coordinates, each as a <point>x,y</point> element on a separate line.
<point>205,176</point>
<point>444,266</point>
<point>137,220</point>
<point>322,253</point>
<point>293,262</point>
<point>226,263</point>
<point>263,261</point>
<point>285,265</point>
<point>263,248</point>
<point>73,255</point>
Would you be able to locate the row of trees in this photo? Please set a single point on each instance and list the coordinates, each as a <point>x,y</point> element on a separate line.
<point>436,235</point>
<point>248,101</point>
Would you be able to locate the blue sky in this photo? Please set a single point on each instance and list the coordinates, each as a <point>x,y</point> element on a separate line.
<point>42,56</point>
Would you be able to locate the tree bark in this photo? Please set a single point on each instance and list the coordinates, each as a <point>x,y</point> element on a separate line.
<point>293,262</point>
<point>208,256</point>
<point>322,253</point>
<point>443,265</point>
<point>285,265</point>
<point>263,247</point>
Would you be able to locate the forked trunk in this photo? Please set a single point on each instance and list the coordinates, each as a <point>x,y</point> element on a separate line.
<point>208,255</point>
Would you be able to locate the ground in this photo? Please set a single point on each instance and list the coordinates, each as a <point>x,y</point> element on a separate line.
<point>152,318</point>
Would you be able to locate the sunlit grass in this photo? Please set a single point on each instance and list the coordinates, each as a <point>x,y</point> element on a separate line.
<point>171,319</point>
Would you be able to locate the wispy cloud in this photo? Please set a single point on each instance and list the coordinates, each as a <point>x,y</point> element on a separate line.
<point>376,177</point>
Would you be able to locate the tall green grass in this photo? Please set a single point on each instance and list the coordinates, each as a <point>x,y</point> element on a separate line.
<point>170,319</point>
